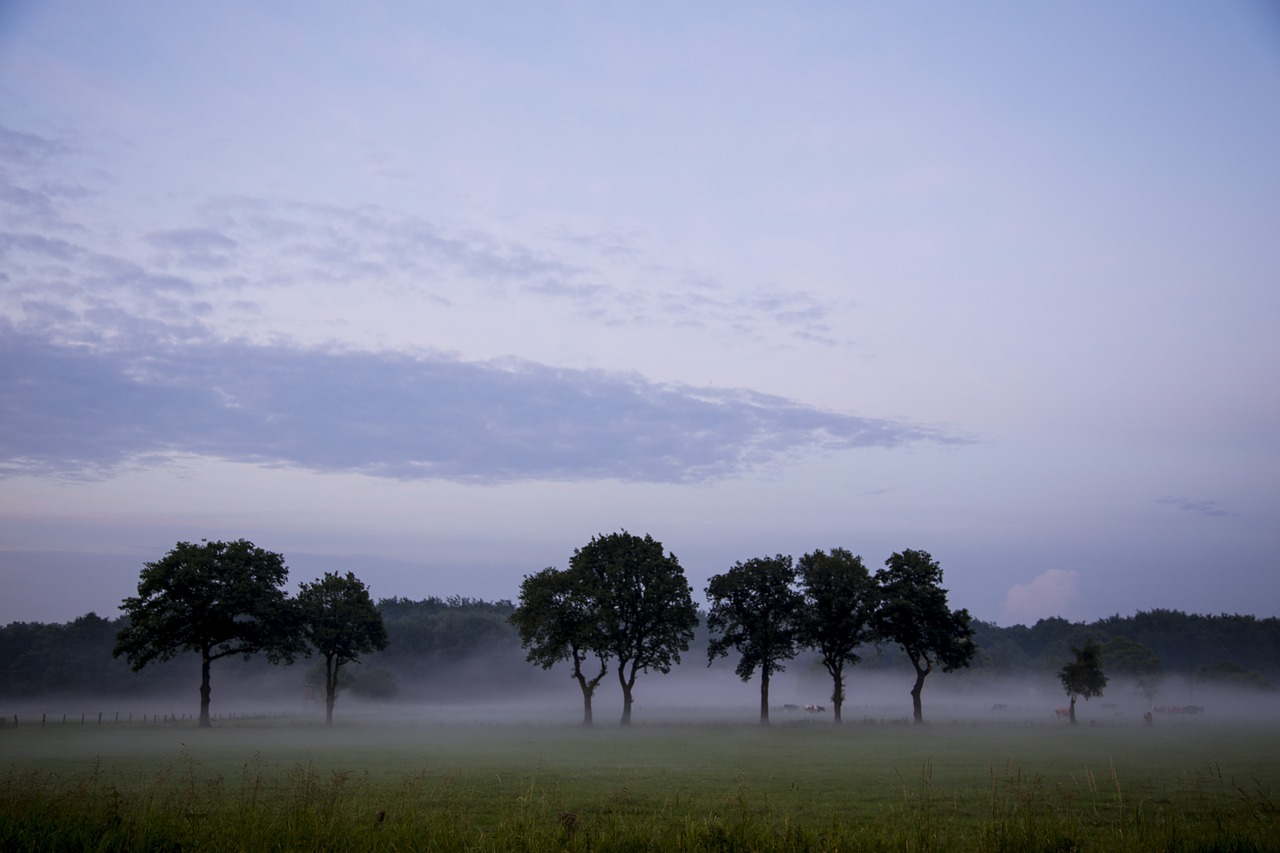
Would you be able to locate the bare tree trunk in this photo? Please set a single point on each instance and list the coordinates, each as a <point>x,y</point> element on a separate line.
<point>1072,712</point>
<point>916,707</point>
<point>330,689</point>
<point>837,693</point>
<point>626,693</point>
<point>587,690</point>
<point>205,691</point>
<point>588,687</point>
<point>764,696</point>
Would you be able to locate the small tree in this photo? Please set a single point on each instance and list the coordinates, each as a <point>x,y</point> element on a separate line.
<point>756,608</point>
<point>644,604</point>
<point>1082,675</point>
<point>913,613</point>
<point>340,622</point>
<point>218,599</point>
<point>557,620</point>
<point>839,601</point>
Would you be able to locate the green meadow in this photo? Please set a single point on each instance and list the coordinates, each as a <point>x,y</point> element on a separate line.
<point>795,785</point>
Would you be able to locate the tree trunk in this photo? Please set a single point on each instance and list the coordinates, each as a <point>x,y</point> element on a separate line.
<point>588,686</point>
<point>837,694</point>
<point>916,707</point>
<point>764,696</point>
<point>626,693</point>
<point>330,689</point>
<point>205,690</point>
<point>1071,714</point>
<point>587,690</point>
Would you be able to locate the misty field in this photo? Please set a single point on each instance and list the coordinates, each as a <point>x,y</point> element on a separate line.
<point>799,784</point>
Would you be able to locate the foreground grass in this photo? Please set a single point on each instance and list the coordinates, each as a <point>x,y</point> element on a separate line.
<point>799,787</point>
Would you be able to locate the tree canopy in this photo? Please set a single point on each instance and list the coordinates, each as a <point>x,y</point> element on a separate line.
<point>913,613</point>
<point>340,623</point>
<point>217,599</point>
<point>840,599</point>
<point>1136,662</point>
<point>755,608</point>
<point>643,602</point>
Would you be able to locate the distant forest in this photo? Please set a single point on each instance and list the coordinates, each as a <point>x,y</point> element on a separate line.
<point>462,648</point>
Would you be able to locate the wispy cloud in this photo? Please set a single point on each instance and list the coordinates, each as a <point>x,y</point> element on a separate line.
<point>240,247</point>
<point>1203,507</point>
<point>81,411</point>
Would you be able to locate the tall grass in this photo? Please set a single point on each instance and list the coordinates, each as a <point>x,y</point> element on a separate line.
<point>693,788</point>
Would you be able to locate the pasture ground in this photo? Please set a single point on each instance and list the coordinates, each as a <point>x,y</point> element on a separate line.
<point>795,785</point>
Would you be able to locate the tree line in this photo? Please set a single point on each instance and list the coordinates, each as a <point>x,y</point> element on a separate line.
<point>622,603</point>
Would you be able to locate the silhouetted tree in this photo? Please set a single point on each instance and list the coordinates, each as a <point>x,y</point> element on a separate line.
<point>644,604</point>
<point>558,619</point>
<point>340,623</point>
<point>1082,675</point>
<point>755,608</point>
<point>839,601</point>
<point>1136,662</point>
<point>1230,674</point>
<point>913,613</point>
<point>217,599</point>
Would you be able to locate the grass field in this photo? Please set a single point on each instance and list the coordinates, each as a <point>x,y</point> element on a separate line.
<point>796,785</point>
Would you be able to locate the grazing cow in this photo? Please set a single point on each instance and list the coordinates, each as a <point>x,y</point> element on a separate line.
<point>1062,713</point>
<point>815,709</point>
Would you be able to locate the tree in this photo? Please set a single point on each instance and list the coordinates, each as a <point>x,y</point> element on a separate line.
<point>756,608</point>
<point>216,598</point>
<point>913,613</point>
<point>1082,675</point>
<point>558,619</point>
<point>644,604</point>
<point>340,623</point>
<point>1136,662</point>
<point>839,601</point>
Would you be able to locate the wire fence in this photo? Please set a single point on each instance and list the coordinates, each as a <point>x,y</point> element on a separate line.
<point>120,718</point>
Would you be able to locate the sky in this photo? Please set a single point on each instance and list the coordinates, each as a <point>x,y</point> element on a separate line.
<point>436,292</point>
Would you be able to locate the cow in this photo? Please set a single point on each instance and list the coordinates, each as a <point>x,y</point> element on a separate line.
<point>815,709</point>
<point>1062,713</point>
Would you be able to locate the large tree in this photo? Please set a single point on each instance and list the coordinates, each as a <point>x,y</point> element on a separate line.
<point>755,608</point>
<point>1137,662</point>
<point>839,601</point>
<point>217,599</point>
<point>645,605</point>
<point>913,613</point>
<point>558,619</point>
<point>1082,675</point>
<point>340,623</point>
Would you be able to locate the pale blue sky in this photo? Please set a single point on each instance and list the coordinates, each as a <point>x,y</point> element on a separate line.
<point>434,292</point>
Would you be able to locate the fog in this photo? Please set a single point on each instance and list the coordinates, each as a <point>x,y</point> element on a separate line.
<point>481,691</point>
